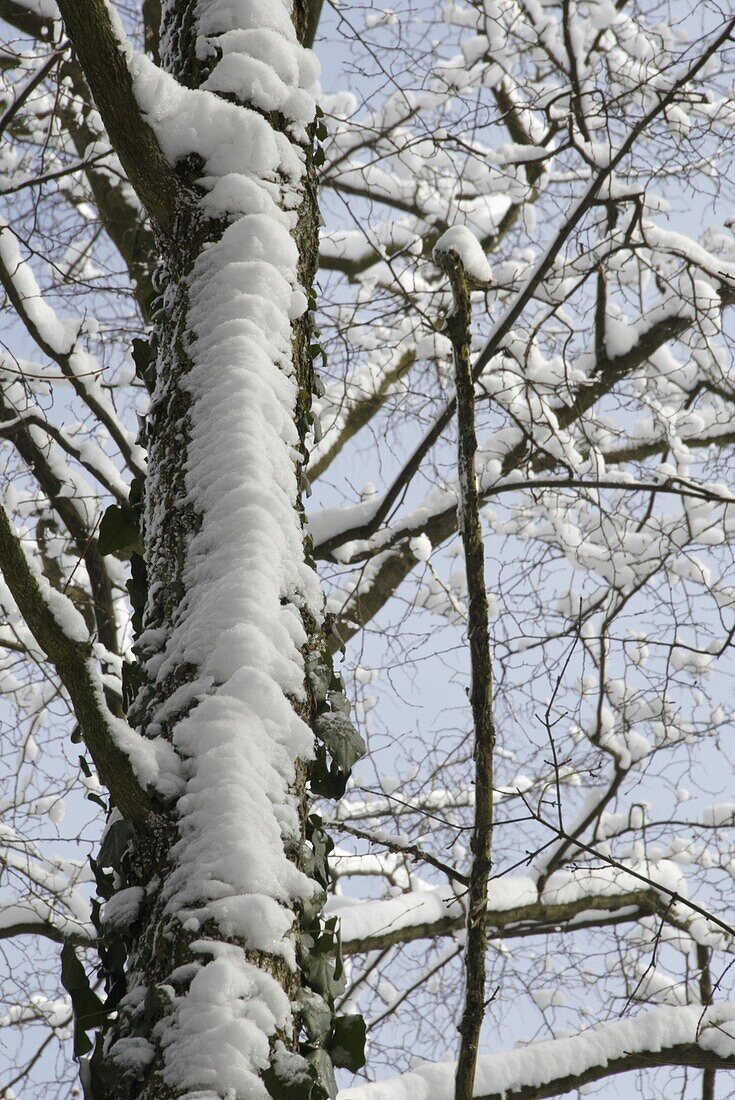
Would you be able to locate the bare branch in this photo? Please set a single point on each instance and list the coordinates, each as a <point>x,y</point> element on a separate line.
<point>481,690</point>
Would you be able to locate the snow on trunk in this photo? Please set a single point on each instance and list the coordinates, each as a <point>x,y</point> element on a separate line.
<point>231,601</point>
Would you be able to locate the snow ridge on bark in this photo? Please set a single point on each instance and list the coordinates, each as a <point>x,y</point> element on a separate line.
<point>246,581</point>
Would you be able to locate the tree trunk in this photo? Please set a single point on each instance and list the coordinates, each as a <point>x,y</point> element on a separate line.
<point>210,896</point>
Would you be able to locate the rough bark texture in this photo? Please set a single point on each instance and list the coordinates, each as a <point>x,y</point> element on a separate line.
<point>158,945</point>
<point>162,946</point>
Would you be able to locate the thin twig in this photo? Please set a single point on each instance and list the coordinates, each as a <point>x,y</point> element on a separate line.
<point>404,848</point>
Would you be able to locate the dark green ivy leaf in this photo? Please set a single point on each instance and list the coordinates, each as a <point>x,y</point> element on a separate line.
<point>341,738</point>
<point>296,1084</point>
<point>347,1042</point>
<point>329,782</point>
<point>114,843</point>
<point>133,678</point>
<point>320,972</point>
<point>88,1009</point>
<point>145,367</point>
<point>137,488</point>
<point>316,1015</point>
<point>322,1064</point>
<point>118,530</point>
<point>137,586</point>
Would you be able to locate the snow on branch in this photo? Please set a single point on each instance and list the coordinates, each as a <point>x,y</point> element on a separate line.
<point>667,1035</point>
<point>503,326</point>
<point>57,338</point>
<point>125,761</point>
<point>572,898</point>
<point>53,906</point>
<point>38,918</point>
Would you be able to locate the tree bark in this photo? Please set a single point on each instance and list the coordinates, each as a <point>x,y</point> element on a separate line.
<point>164,953</point>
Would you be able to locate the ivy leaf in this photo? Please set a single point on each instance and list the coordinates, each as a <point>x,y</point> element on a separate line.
<point>145,366</point>
<point>316,1015</point>
<point>347,1042</point>
<point>133,679</point>
<point>292,1077</point>
<point>137,586</point>
<point>320,972</point>
<point>137,488</point>
<point>341,738</point>
<point>311,908</point>
<point>317,674</point>
<point>118,530</point>
<point>322,1064</point>
<point>322,844</point>
<point>114,843</point>
<point>88,1009</point>
<point>325,780</point>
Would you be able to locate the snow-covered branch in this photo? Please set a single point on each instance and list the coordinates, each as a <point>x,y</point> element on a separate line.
<point>664,1036</point>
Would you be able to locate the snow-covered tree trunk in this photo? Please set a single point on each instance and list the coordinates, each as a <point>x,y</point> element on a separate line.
<point>214,878</point>
<point>582,147</point>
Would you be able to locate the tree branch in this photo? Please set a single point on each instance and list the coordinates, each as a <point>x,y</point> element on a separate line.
<point>663,1036</point>
<point>535,918</point>
<point>35,926</point>
<point>313,14</point>
<point>72,660</point>
<point>63,357</point>
<point>505,323</point>
<point>362,412</point>
<point>481,691</point>
<point>18,429</point>
<point>686,1054</point>
<point>26,21</point>
<point>91,31</point>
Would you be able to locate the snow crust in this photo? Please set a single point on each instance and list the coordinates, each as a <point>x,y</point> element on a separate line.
<point>463,241</point>
<point>123,907</point>
<point>245,579</point>
<point>260,61</point>
<point>217,1041</point>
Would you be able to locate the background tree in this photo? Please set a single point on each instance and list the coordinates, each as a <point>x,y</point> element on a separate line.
<point>586,146</point>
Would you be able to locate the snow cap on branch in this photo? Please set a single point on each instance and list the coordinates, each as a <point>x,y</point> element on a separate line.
<point>463,241</point>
